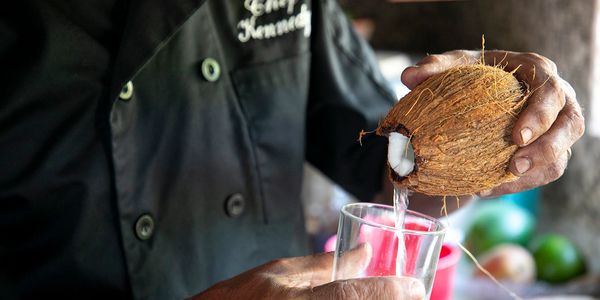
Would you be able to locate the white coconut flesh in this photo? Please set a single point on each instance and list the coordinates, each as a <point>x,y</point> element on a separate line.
<point>401,155</point>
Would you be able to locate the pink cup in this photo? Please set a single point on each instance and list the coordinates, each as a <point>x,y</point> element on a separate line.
<point>444,274</point>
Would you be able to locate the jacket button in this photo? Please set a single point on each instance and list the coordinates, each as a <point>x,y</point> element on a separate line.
<point>211,69</point>
<point>126,91</point>
<point>144,227</point>
<point>234,205</point>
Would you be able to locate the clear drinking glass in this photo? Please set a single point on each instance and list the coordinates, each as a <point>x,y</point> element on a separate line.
<point>372,225</point>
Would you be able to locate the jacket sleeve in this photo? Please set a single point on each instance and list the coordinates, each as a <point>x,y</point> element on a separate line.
<point>347,94</point>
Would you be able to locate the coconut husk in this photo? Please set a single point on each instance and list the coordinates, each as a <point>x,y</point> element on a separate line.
<point>460,126</point>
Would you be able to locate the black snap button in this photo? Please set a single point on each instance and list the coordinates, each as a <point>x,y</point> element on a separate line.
<point>144,227</point>
<point>235,205</point>
<point>211,69</point>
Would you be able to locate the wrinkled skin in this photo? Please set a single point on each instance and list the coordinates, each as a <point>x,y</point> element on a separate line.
<point>309,277</point>
<point>546,129</point>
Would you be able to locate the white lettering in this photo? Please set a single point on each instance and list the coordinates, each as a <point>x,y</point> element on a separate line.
<point>247,26</point>
<point>260,7</point>
<point>290,6</point>
<point>282,27</point>
<point>291,23</point>
<point>270,31</point>
<point>255,7</point>
<point>258,32</point>
<point>250,30</point>
<point>304,20</point>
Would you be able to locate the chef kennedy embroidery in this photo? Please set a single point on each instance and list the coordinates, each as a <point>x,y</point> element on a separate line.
<point>293,20</point>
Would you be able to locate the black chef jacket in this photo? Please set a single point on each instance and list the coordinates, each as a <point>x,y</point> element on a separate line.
<point>153,148</point>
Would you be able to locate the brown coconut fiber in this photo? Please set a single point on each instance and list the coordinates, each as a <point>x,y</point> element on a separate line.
<point>460,126</point>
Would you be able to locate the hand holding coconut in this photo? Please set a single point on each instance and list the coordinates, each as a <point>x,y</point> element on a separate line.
<point>502,127</point>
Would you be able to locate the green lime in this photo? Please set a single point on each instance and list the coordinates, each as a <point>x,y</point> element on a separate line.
<point>557,258</point>
<point>498,222</point>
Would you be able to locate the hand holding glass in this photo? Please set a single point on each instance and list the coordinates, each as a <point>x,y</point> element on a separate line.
<point>371,226</point>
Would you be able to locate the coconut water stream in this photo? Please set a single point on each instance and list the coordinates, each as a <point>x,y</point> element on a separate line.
<point>400,206</point>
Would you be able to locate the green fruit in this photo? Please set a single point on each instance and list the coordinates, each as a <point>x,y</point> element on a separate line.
<point>557,259</point>
<point>497,222</point>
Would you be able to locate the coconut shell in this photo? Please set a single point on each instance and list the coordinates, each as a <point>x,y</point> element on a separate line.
<point>460,126</point>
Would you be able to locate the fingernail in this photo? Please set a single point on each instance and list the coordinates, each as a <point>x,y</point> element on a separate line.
<point>522,164</point>
<point>417,291</point>
<point>485,193</point>
<point>526,135</point>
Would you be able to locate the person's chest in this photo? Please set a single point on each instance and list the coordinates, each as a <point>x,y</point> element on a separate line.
<point>208,135</point>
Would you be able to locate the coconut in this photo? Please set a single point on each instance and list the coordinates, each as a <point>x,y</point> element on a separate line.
<point>459,124</point>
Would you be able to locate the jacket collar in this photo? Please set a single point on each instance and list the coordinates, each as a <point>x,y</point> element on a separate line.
<point>148,27</point>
